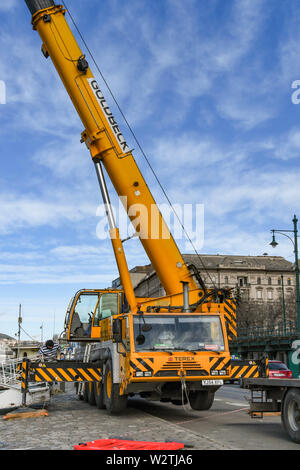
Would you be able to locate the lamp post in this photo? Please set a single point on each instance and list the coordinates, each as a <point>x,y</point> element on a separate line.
<point>19,330</point>
<point>295,243</point>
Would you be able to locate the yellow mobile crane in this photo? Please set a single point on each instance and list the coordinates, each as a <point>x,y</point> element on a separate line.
<point>155,347</point>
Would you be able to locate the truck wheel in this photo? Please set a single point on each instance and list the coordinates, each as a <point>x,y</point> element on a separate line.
<point>201,400</point>
<point>290,414</point>
<point>99,395</point>
<point>114,402</point>
<point>91,393</point>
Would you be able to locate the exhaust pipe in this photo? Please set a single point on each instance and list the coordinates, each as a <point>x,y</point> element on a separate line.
<point>186,299</point>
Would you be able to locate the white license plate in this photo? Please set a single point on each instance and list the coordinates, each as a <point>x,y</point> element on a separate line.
<point>212,382</point>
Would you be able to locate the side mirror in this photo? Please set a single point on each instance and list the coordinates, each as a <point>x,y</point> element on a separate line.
<point>140,339</point>
<point>117,330</point>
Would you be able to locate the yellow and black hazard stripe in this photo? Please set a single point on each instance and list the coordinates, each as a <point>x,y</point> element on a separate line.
<point>24,376</point>
<point>267,367</point>
<point>230,317</point>
<point>244,369</point>
<point>64,373</point>
<point>142,365</point>
<point>218,364</point>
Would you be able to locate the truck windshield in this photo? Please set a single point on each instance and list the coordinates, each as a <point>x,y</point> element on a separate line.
<point>179,333</point>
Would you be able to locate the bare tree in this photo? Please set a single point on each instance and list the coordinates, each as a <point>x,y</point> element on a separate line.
<point>253,314</point>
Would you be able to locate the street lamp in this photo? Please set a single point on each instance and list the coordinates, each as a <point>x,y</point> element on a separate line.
<point>295,243</point>
<point>273,242</point>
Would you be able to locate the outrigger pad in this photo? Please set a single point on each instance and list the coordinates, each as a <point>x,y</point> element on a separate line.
<point>36,5</point>
<point>24,413</point>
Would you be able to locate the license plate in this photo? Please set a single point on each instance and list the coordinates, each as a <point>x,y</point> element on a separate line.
<point>212,382</point>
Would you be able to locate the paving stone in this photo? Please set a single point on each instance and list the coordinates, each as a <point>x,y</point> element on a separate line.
<point>72,421</point>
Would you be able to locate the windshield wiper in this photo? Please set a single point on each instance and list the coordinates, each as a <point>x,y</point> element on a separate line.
<point>170,351</point>
<point>209,350</point>
<point>181,349</point>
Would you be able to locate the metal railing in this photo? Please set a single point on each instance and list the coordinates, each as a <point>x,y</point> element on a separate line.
<point>279,330</point>
<point>10,372</point>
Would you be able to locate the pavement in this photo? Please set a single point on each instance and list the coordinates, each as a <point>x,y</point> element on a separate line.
<point>227,421</point>
<point>227,426</point>
<point>72,421</point>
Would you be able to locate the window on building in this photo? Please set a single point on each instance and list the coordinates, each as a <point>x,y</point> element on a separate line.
<point>244,293</point>
<point>269,281</point>
<point>259,281</point>
<point>242,281</point>
<point>270,295</point>
<point>226,280</point>
<point>259,294</point>
<point>289,282</point>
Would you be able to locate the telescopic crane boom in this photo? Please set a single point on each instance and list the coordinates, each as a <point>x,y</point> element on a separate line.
<point>107,145</point>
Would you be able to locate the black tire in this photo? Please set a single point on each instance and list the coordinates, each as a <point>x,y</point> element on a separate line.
<point>91,393</point>
<point>114,402</point>
<point>290,414</point>
<point>201,400</point>
<point>99,395</point>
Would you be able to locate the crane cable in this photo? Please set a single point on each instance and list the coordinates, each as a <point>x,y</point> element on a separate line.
<point>138,144</point>
<point>27,333</point>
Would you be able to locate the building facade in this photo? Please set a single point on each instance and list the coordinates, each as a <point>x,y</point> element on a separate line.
<point>266,286</point>
<point>257,278</point>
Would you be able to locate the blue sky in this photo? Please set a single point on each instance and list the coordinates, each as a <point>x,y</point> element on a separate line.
<point>206,85</point>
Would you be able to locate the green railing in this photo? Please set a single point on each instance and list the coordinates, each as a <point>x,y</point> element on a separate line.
<point>278,330</point>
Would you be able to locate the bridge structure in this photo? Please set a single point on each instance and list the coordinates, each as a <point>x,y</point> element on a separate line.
<point>276,341</point>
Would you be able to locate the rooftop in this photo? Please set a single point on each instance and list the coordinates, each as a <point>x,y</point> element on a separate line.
<point>210,262</point>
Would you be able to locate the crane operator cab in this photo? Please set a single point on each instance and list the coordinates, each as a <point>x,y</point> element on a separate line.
<point>86,310</point>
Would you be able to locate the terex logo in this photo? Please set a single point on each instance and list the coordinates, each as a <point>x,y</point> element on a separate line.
<point>179,358</point>
<point>109,115</point>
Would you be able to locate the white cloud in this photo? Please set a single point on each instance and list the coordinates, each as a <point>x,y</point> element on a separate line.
<point>54,274</point>
<point>83,252</point>
<point>287,146</point>
<point>66,158</point>
<point>27,212</point>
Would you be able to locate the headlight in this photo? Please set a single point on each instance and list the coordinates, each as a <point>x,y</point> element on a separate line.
<point>222,372</point>
<point>143,374</point>
<point>214,372</point>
